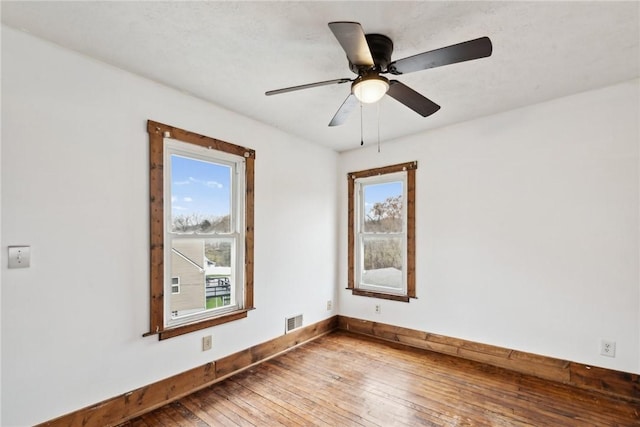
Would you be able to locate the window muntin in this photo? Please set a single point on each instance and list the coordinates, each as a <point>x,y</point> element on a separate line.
<point>224,268</point>
<point>381,233</point>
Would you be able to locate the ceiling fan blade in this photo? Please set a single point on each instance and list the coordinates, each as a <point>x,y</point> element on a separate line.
<point>353,41</point>
<point>307,86</point>
<point>465,51</point>
<point>412,99</point>
<point>343,112</point>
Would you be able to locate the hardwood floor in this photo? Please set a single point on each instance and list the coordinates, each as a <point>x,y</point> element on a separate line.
<point>343,379</point>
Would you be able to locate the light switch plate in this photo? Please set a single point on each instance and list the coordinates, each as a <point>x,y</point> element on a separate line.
<point>19,256</point>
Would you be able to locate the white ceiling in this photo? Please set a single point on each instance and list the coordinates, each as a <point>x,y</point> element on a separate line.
<point>230,53</point>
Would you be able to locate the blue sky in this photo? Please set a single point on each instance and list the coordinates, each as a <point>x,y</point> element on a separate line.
<point>375,193</point>
<point>199,187</point>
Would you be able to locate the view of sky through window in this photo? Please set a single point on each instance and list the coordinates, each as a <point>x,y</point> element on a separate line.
<point>378,193</point>
<point>199,188</point>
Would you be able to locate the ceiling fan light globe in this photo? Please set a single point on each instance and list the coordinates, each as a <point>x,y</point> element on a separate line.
<point>369,91</point>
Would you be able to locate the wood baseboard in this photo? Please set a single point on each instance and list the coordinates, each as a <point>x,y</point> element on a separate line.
<point>614,383</point>
<point>122,408</point>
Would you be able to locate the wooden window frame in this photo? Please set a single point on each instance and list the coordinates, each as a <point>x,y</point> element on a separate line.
<point>409,168</point>
<point>157,134</point>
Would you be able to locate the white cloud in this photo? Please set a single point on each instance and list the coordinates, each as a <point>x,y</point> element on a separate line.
<point>187,199</point>
<point>210,184</point>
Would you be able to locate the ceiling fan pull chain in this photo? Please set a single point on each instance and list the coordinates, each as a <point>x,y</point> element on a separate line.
<point>361,137</point>
<point>378,127</point>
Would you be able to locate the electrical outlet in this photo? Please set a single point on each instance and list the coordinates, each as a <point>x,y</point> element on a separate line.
<point>378,309</point>
<point>608,348</point>
<point>206,343</point>
<point>329,305</point>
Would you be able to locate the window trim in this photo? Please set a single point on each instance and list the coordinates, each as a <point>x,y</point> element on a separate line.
<point>157,134</point>
<point>409,168</point>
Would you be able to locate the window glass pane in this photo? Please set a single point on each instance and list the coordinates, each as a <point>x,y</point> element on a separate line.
<point>218,273</point>
<point>383,207</point>
<point>200,196</point>
<point>382,260</point>
<point>203,267</point>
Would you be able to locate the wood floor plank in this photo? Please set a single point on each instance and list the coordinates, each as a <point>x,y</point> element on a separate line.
<point>437,395</point>
<point>401,385</point>
<point>214,406</point>
<point>183,416</point>
<point>209,414</point>
<point>339,401</point>
<point>318,412</point>
<point>348,381</point>
<point>268,412</point>
<point>343,379</point>
<point>305,410</point>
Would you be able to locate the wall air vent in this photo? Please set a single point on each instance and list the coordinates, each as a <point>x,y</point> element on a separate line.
<point>292,323</point>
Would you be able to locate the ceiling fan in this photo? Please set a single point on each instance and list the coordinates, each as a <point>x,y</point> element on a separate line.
<point>369,56</point>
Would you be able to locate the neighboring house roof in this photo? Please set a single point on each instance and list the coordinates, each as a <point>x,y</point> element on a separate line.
<point>189,260</point>
<point>218,271</point>
<point>383,276</point>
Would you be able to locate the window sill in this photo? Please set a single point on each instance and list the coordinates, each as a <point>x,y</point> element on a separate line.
<point>380,295</point>
<point>201,324</point>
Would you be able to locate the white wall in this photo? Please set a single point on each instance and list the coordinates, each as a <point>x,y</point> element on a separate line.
<point>75,188</point>
<point>527,229</point>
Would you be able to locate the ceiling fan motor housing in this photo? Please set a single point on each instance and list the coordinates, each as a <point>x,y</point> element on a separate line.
<point>381,48</point>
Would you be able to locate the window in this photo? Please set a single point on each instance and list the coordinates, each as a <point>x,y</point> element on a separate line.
<point>175,286</point>
<point>201,192</point>
<point>381,235</point>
